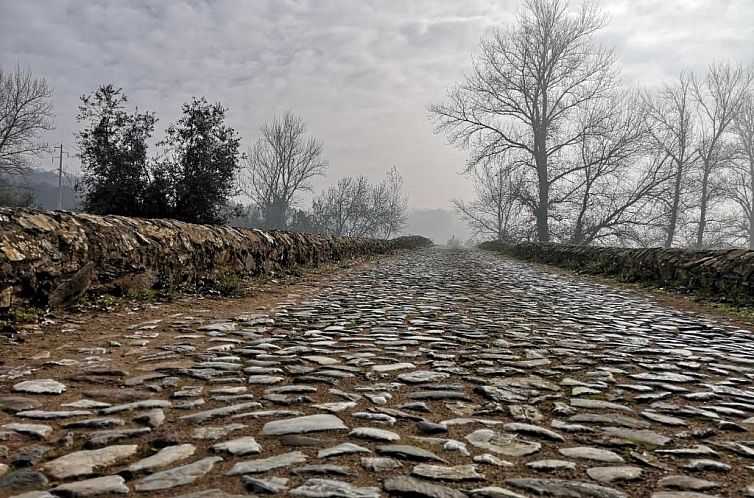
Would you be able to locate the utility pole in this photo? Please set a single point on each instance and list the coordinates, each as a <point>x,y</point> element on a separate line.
<point>60,178</point>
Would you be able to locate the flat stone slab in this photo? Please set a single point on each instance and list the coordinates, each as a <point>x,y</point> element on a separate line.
<point>407,452</point>
<point>40,386</point>
<point>564,487</point>
<point>590,453</point>
<point>614,474</point>
<point>503,444</point>
<point>447,473</point>
<point>85,462</point>
<point>242,446</point>
<point>163,458</point>
<point>301,425</point>
<point>374,434</point>
<point>179,476</point>
<point>322,488</point>
<point>38,430</point>
<point>266,464</point>
<point>92,487</point>
<point>342,449</point>
<point>13,404</point>
<point>408,486</point>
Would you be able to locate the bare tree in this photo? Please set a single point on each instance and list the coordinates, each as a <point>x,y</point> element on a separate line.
<point>671,126</point>
<point>530,80</point>
<point>280,166</point>
<point>355,207</point>
<point>613,179</point>
<point>497,209</point>
<point>741,179</point>
<point>25,113</point>
<point>719,97</point>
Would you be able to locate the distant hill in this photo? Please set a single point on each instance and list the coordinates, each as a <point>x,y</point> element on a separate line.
<point>437,224</point>
<point>43,185</point>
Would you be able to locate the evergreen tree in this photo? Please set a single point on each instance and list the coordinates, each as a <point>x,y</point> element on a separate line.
<point>113,150</point>
<point>196,175</point>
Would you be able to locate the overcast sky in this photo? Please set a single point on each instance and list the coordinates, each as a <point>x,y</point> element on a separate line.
<point>360,72</point>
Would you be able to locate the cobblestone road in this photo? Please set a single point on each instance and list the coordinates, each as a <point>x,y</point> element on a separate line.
<point>436,373</point>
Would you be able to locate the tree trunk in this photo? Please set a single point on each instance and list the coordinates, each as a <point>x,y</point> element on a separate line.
<point>542,211</point>
<point>674,208</point>
<point>703,207</point>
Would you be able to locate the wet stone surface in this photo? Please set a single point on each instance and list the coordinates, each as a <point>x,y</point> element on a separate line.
<point>436,373</point>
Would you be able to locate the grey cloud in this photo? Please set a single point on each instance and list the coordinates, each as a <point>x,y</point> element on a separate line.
<point>361,72</point>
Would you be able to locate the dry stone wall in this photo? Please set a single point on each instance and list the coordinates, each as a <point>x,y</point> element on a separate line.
<point>724,274</point>
<point>55,257</point>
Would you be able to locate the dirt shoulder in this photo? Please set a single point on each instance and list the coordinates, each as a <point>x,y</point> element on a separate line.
<point>88,325</point>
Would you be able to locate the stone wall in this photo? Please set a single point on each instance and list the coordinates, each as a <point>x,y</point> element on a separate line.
<point>55,257</point>
<point>724,274</point>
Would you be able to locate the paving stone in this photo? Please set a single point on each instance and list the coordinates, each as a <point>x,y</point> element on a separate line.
<point>589,453</point>
<point>163,458</point>
<point>374,434</point>
<point>410,487</point>
<point>551,465</point>
<point>269,463</point>
<point>408,452</point>
<point>272,485</point>
<point>29,455</point>
<point>40,386</point>
<point>447,473</point>
<point>614,474</point>
<point>238,447</point>
<point>324,488</point>
<point>494,492</point>
<point>326,469</point>
<point>489,459</point>
<point>216,432</point>
<point>686,483</point>
<point>178,476</point>
<point>23,480</point>
<point>300,425</point>
<point>37,430</point>
<point>380,464</point>
<point>534,430</point>
<point>342,449</point>
<point>85,462</point>
<point>14,404</point>
<point>504,444</point>
<point>705,464</point>
<point>111,485</point>
<point>563,487</point>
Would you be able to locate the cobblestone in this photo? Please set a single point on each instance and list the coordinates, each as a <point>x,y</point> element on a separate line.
<point>438,373</point>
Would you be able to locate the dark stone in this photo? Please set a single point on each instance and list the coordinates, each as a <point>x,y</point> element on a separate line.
<point>13,404</point>
<point>29,455</point>
<point>23,480</point>
<point>427,427</point>
<point>296,440</point>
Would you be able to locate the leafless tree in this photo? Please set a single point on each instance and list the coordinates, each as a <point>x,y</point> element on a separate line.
<point>719,96</point>
<point>25,113</point>
<point>613,179</point>
<point>740,184</point>
<point>355,207</point>
<point>497,210</point>
<point>280,166</point>
<point>529,82</point>
<point>670,116</point>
